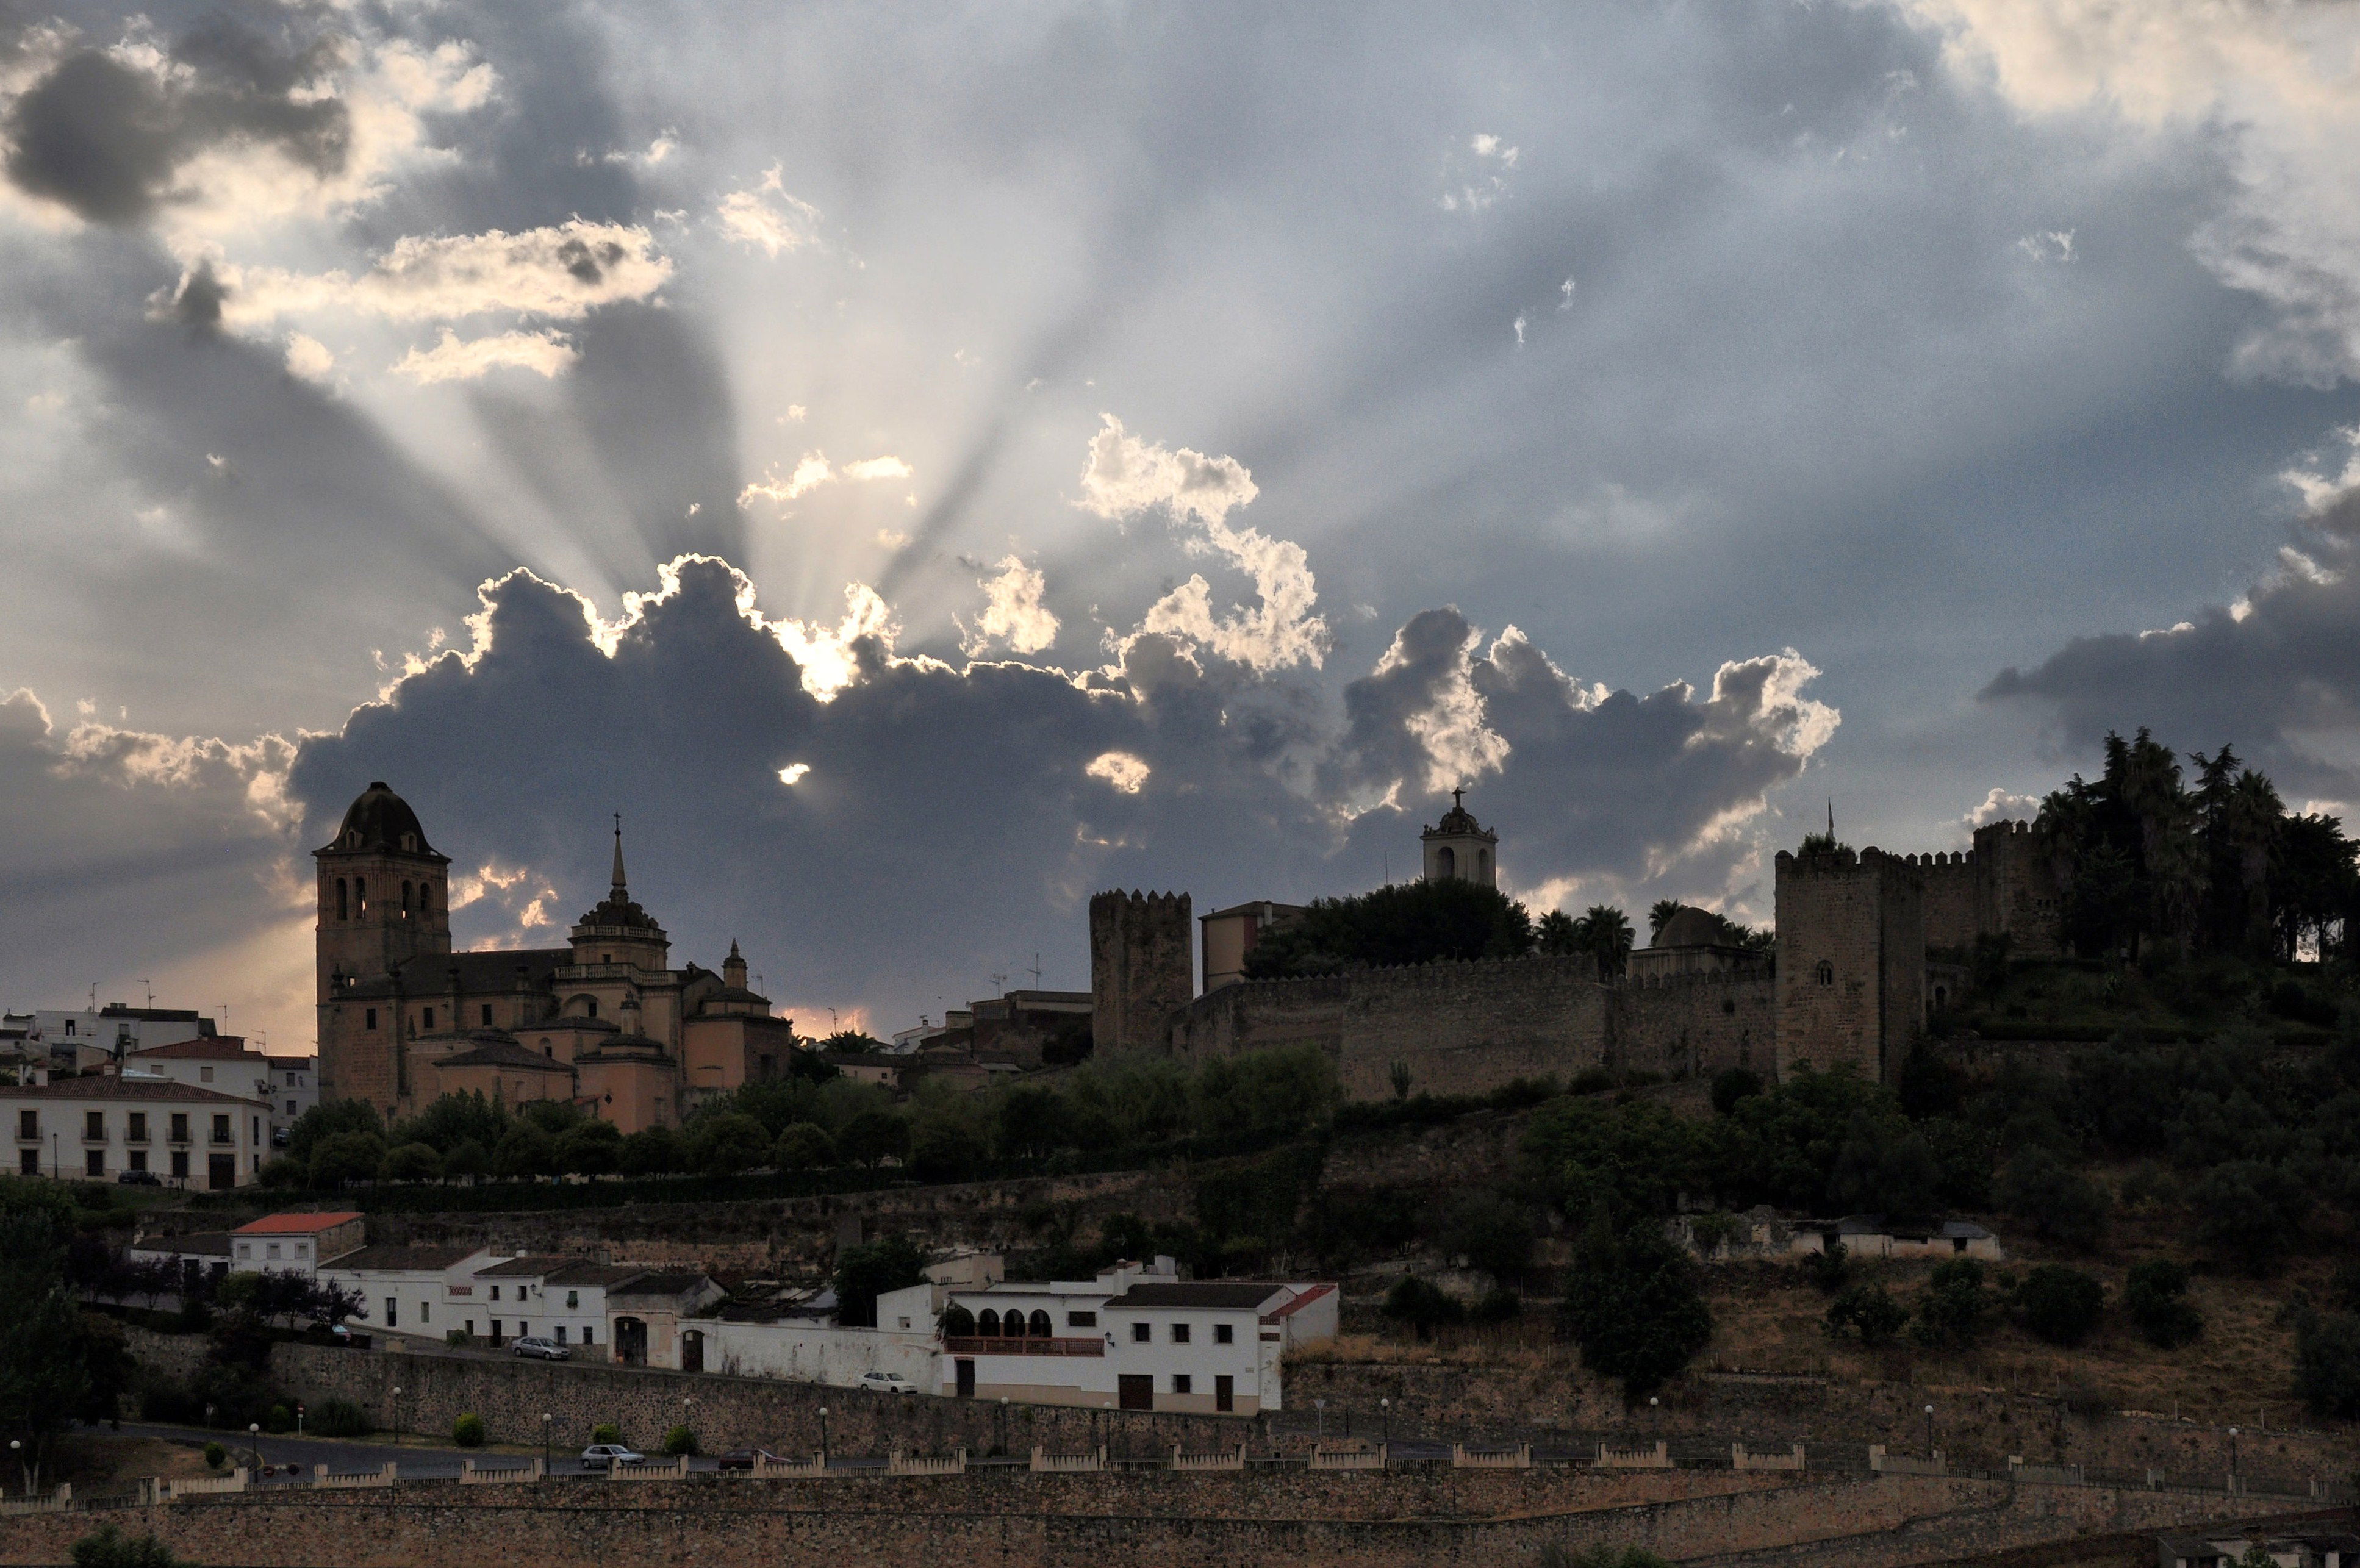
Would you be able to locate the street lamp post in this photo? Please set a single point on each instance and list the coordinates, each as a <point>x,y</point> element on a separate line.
<point>397,1415</point>
<point>16,1447</point>
<point>1385,1418</point>
<point>822,1437</point>
<point>1929,1432</point>
<point>2233,1459</point>
<point>1003,1423</point>
<point>254,1440</point>
<point>544,1444</point>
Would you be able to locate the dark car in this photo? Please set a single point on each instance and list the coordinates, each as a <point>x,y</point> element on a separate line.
<point>140,1179</point>
<point>743,1458</point>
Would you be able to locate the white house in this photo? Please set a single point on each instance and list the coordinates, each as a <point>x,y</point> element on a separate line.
<point>423,1292</point>
<point>804,1349</point>
<point>295,1242</point>
<point>1135,1339</point>
<point>556,1298</point>
<point>198,1253</point>
<point>77,1037</point>
<point>95,1129</point>
<point>294,1086</point>
<point>1878,1236</point>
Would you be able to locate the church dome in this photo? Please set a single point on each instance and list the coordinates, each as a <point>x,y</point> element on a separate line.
<point>1692,927</point>
<point>380,820</point>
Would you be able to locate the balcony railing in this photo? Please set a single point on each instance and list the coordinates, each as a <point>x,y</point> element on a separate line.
<point>982,1344</point>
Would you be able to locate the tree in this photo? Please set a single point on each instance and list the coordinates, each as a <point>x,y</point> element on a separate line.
<point>345,1157</point>
<point>947,1149</point>
<point>45,1380</point>
<point>2059,1304</point>
<point>526,1149</point>
<point>867,1271</point>
<point>1954,1305</point>
<point>327,1119</point>
<point>652,1152</point>
<point>1402,922</point>
<point>2251,1211</point>
<point>1423,1305</point>
<point>872,1137</point>
<point>2327,1363</point>
<point>1493,1233</point>
<point>805,1146</point>
<point>2061,1203</point>
<point>1555,934</point>
<point>468,1159</point>
<point>453,1119</point>
<point>1732,1084</point>
<point>468,1431</point>
<point>1639,1156</point>
<point>851,1042</point>
<point>1660,915</point>
<point>727,1144</point>
<point>589,1148</point>
<point>108,1547</point>
<point>1868,1311</point>
<point>410,1162</point>
<point>1604,933</point>
<point>1033,1123</point>
<point>680,1440</point>
<point>1633,1306</point>
<point>2155,1294</point>
<point>1885,1165</point>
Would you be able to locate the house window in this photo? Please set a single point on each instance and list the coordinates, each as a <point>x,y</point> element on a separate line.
<point>271,1250</point>
<point>1141,1334</point>
<point>134,1127</point>
<point>344,908</point>
<point>372,1019</point>
<point>495,1293</point>
<point>205,1074</point>
<point>220,1129</point>
<point>95,1160</point>
<point>360,893</point>
<point>181,1164</point>
<point>1223,1333</point>
<point>29,1124</point>
<point>1081,1320</point>
<point>487,1015</point>
<point>1181,1383</point>
<point>245,1249</point>
<point>588,1335</point>
<point>425,1311</point>
<point>561,1333</point>
<point>93,1126</point>
<point>302,1249</point>
<point>987,1325</point>
<point>572,1299</point>
<point>139,1160</point>
<point>594,1007</point>
<point>1825,973</point>
<point>291,1107</point>
<point>1179,1333</point>
<point>28,1162</point>
<point>428,1014</point>
<point>180,1126</point>
<point>392,1312</point>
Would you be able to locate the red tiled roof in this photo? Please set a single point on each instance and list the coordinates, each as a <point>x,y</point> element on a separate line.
<point>296,1224</point>
<point>1310,1294</point>
<point>218,1048</point>
<point>123,1089</point>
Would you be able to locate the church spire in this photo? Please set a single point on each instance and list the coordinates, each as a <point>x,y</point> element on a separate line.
<point>621,894</point>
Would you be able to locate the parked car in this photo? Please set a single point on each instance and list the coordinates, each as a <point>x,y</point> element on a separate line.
<point>606,1455</point>
<point>887,1383</point>
<point>140,1179</point>
<point>547,1349</point>
<point>743,1458</point>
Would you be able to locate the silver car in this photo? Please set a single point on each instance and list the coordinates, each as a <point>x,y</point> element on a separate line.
<point>547,1349</point>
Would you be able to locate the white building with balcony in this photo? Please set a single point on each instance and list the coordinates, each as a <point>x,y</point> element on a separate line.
<point>96,1128</point>
<point>1136,1338</point>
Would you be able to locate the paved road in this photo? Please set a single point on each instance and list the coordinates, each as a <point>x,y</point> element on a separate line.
<point>418,1462</point>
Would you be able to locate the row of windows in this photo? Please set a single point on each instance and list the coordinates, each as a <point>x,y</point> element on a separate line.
<point>270,1250</point>
<point>352,899</point>
<point>134,1127</point>
<point>28,1162</point>
<point>426,1019</point>
<point>992,1324</point>
<point>499,1327</point>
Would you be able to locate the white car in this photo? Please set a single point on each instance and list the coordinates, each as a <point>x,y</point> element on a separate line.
<point>606,1455</point>
<point>547,1349</point>
<point>887,1383</point>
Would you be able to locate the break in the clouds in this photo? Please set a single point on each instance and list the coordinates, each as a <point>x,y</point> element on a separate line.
<point>1207,482</point>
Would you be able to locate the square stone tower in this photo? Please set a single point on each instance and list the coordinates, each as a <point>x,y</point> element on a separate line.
<point>1852,960</point>
<point>384,902</point>
<point>1143,969</point>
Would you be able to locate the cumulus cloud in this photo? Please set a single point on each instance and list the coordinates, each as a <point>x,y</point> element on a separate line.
<point>768,216</point>
<point>2276,671</point>
<point>814,471</point>
<point>453,358</point>
<point>227,123</point>
<point>1120,770</point>
<point>2002,806</point>
<point>562,272</point>
<point>1125,475</point>
<point>309,358</point>
<point>2278,86</point>
<point>1012,611</point>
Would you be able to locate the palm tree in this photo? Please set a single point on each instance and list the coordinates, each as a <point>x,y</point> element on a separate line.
<point>1557,934</point>
<point>1661,916</point>
<point>1605,933</point>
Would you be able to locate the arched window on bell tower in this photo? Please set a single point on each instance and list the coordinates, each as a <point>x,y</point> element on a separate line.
<point>360,896</point>
<point>343,902</point>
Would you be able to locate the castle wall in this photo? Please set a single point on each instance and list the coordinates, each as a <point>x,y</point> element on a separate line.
<point>1950,881</point>
<point>2015,891</point>
<point>1901,954</point>
<point>1697,1025</point>
<point>1833,969</point>
<point>1143,969</point>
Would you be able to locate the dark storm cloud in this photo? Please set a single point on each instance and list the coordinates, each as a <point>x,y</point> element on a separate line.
<point>105,138</point>
<point>2275,675</point>
<point>951,821</point>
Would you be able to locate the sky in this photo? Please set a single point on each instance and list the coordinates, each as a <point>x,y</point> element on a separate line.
<point>923,466</point>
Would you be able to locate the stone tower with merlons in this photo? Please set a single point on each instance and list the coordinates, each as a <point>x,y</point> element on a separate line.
<point>383,901</point>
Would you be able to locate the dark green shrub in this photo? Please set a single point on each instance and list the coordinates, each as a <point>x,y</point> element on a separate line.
<point>1732,1084</point>
<point>279,1418</point>
<point>605,1432</point>
<point>803,1146</point>
<point>467,1432</point>
<point>216,1455</point>
<point>1497,1305</point>
<point>2155,1297</point>
<point>2061,1203</point>
<point>339,1418</point>
<point>1634,1304</point>
<point>680,1440</point>
<point>1829,1268</point>
<point>2251,1211</point>
<point>2058,1304</point>
<point>110,1547</point>
<point>1868,1311</point>
<point>2327,1363</point>
<point>1423,1305</point>
<point>1953,1307</point>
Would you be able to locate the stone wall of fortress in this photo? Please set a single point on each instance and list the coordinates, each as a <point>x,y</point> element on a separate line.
<point>1468,1027</point>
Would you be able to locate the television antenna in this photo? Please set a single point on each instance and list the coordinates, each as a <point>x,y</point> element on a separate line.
<point>151,992</point>
<point>1000,985</point>
<point>1035,970</point>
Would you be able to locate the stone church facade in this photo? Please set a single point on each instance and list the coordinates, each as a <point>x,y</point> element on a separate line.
<point>605,1022</point>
